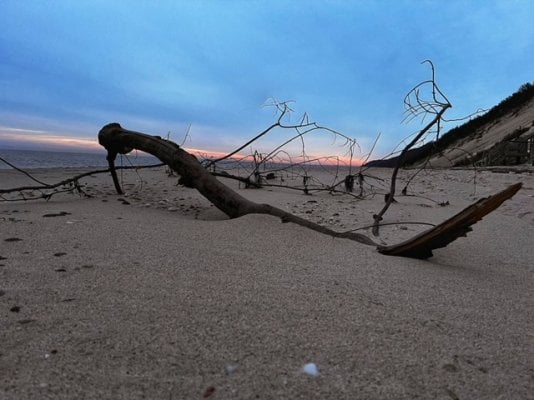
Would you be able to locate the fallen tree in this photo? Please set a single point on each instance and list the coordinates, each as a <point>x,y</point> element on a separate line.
<point>117,140</point>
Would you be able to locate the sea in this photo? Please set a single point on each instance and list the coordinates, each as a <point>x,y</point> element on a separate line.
<point>28,159</point>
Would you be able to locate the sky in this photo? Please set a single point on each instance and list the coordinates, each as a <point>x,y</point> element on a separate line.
<point>205,72</point>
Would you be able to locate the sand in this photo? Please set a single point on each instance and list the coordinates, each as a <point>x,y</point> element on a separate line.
<point>489,135</point>
<point>156,294</point>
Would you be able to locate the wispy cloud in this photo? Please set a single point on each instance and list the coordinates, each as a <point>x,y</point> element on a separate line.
<point>47,140</point>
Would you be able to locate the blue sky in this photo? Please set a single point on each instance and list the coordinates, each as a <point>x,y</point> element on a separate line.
<point>69,67</point>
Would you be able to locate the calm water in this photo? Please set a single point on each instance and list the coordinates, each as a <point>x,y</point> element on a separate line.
<point>26,159</point>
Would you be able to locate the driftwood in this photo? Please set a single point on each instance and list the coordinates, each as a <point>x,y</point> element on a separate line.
<point>47,190</point>
<point>421,246</point>
<point>117,140</point>
<point>415,106</point>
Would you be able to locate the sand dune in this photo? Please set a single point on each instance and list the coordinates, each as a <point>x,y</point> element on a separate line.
<point>491,135</point>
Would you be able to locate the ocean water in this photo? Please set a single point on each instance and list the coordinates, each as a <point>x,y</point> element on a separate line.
<point>27,159</point>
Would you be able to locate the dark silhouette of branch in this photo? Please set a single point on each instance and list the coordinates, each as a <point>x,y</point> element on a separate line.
<point>421,246</point>
<point>437,106</point>
<point>24,172</point>
<point>303,128</point>
<point>116,139</point>
<point>393,223</point>
<point>73,182</point>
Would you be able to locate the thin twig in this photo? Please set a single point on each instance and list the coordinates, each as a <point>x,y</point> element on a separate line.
<point>22,171</point>
<point>436,106</point>
<point>67,182</point>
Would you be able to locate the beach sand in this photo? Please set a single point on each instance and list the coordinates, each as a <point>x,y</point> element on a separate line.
<point>156,294</point>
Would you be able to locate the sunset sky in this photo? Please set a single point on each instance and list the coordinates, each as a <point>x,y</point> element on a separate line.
<point>69,67</point>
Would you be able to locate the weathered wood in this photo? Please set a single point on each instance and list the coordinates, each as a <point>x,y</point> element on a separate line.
<point>117,140</point>
<point>421,246</point>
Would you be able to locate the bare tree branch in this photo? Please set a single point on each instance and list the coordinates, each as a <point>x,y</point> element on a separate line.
<point>437,105</point>
<point>116,140</point>
<point>24,172</point>
<point>71,184</point>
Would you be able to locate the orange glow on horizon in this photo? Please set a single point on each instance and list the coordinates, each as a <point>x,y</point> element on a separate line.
<point>317,159</point>
<point>76,144</point>
<point>49,140</point>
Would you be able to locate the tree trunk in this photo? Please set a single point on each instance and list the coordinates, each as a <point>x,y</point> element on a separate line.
<point>117,140</point>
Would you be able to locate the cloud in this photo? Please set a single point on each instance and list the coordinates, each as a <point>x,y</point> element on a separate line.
<point>23,138</point>
<point>160,67</point>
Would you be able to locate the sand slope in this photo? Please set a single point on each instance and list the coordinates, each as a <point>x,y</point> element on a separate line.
<point>487,137</point>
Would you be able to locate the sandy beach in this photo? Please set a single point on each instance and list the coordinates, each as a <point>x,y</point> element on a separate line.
<point>155,294</point>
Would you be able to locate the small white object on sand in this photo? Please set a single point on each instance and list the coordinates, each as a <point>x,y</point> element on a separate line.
<point>311,369</point>
<point>230,369</point>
